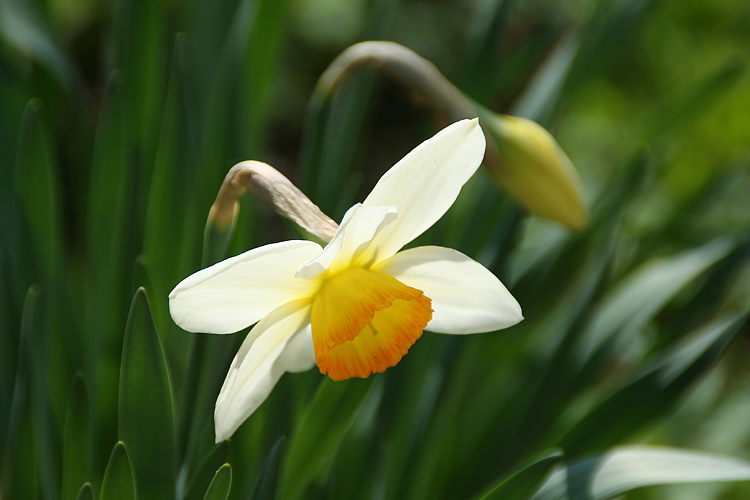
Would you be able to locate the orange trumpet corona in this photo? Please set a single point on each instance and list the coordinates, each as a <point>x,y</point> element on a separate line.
<point>364,321</point>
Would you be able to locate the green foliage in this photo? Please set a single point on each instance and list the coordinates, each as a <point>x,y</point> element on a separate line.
<point>145,419</point>
<point>118,482</point>
<point>78,440</point>
<point>220,484</point>
<point>320,431</point>
<point>85,493</point>
<point>524,482</point>
<point>120,120</point>
<point>627,468</point>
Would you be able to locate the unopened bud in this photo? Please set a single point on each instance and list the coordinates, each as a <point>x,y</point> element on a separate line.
<point>531,167</point>
<point>523,156</point>
<point>276,190</point>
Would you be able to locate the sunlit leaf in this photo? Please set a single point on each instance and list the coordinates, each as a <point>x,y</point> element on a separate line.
<point>629,467</point>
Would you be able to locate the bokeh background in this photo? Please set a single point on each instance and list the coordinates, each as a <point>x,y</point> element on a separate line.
<point>119,120</point>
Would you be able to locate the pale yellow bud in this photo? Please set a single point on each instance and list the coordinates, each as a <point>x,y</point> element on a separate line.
<point>531,167</point>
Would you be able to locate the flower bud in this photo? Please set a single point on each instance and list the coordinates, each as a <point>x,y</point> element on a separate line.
<point>277,191</point>
<point>531,167</point>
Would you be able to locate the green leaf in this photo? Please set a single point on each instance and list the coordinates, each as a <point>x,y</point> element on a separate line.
<point>544,90</point>
<point>525,481</point>
<point>320,432</point>
<point>107,222</point>
<point>78,441</point>
<point>85,493</point>
<point>204,473</point>
<point>629,467</point>
<point>138,48</point>
<point>146,412</point>
<point>118,482</point>
<point>220,484</point>
<point>694,101</point>
<point>259,94</point>
<point>24,30</point>
<point>654,390</point>
<point>18,473</point>
<point>265,488</point>
<point>635,301</point>
<point>38,188</point>
<point>174,159</point>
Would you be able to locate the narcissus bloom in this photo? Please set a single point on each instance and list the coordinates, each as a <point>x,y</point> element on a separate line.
<point>356,306</point>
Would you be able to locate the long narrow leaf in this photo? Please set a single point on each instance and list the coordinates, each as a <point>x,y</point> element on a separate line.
<point>146,413</point>
<point>315,440</point>
<point>654,390</point>
<point>78,441</point>
<point>220,484</point>
<point>629,467</point>
<point>118,482</point>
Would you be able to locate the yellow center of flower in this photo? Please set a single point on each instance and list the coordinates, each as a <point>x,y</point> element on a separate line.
<point>364,321</point>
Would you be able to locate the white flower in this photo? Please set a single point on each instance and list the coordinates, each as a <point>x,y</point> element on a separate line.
<point>356,306</point>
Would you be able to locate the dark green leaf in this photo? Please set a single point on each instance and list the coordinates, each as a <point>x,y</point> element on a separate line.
<point>23,29</point>
<point>37,187</point>
<point>628,307</point>
<point>77,445</point>
<point>653,390</point>
<point>320,432</point>
<point>205,472</point>
<point>118,482</point>
<point>521,484</point>
<point>265,488</point>
<point>146,413</point>
<point>220,484</point>
<point>18,474</point>
<point>85,493</point>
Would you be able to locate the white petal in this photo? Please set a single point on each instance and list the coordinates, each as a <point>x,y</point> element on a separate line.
<point>426,182</point>
<point>239,291</point>
<point>260,363</point>
<point>351,241</point>
<point>299,353</point>
<point>466,296</point>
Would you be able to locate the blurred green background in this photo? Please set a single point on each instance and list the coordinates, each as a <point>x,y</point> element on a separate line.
<point>120,119</point>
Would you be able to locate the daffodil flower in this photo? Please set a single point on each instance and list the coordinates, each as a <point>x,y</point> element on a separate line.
<point>356,306</point>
